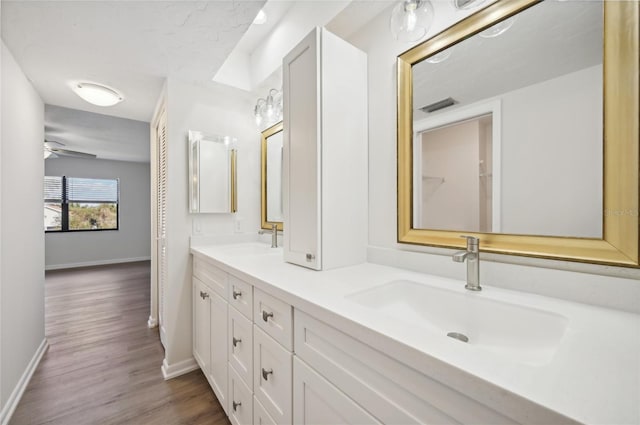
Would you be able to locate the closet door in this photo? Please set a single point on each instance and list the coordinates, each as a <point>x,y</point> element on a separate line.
<point>301,185</point>
<point>160,230</point>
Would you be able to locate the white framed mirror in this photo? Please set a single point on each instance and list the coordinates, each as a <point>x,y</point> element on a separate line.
<point>212,173</point>
<point>271,148</point>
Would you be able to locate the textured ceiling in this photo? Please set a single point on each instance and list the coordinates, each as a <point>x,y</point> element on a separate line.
<point>130,45</point>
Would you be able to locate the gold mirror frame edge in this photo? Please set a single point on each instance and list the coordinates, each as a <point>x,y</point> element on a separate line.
<point>620,244</point>
<point>267,225</point>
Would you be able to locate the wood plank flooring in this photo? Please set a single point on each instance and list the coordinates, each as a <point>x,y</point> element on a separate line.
<point>103,363</point>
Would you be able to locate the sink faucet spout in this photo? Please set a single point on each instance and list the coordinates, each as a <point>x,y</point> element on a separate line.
<point>472,257</point>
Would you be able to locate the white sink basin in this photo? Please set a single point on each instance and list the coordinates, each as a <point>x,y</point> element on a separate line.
<point>522,333</point>
<point>254,248</point>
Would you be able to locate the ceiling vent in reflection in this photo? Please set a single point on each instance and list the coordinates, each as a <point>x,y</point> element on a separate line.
<point>441,104</point>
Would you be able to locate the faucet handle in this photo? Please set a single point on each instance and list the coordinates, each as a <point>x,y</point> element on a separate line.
<point>472,241</point>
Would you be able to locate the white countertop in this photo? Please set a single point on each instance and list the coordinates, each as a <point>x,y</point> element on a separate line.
<point>594,377</point>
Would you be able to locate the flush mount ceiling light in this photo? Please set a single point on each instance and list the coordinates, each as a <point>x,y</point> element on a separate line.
<point>261,18</point>
<point>411,19</point>
<point>97,94</point>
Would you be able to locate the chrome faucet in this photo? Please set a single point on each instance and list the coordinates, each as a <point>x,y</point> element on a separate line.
<point>472,255</point>
<point>274,235</point>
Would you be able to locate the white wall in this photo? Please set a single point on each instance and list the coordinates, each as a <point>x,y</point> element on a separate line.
<point>131,242</point>
<point>539,195</point>
<point>593,284</point>
<point>218,110</point>
<point>299,20</point>
<point>22,247</point>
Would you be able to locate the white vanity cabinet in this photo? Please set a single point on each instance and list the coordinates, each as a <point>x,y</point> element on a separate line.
<point>243,342</point>
<point>325,152</point>
<point>210,326</point>
<point>317,401</point>
<point>390,391</point>
<point>202,325</point>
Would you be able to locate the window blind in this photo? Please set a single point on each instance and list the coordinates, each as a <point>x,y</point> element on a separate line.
<point>92,190</point>
<point>53,189</point>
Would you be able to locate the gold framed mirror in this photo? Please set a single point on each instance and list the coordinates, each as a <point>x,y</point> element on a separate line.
<point>271,177</point>
<point>616,239</point>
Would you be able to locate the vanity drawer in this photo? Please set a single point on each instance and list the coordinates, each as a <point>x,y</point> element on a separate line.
<point>272,376</point>
<point>240,400</point>
<point>241,345</point>
<point>389,390</point>
<point>241,296</point>
<point>275,317</point>
<point>260,415</point>
<point>211,275</point>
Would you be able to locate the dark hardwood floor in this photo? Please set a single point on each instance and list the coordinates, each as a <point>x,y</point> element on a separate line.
<point>103,363</point>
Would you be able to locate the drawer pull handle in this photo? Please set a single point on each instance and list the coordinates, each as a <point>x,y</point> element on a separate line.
<point>237,294</point>
<point>266,373</point>
<point>204,295</point>
<point>236,341</point>
<point>236,404</point>
<point>265,316</point>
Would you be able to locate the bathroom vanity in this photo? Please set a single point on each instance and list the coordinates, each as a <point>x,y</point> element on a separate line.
<point>369,344</point>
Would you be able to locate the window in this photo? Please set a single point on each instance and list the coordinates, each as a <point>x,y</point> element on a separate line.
<point>80,204</point>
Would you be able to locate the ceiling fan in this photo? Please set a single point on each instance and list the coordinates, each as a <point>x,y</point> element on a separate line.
<point>54,150</point>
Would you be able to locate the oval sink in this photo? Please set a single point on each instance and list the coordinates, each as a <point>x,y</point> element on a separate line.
<point>522,333</point>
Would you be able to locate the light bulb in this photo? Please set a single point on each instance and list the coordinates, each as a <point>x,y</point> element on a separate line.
<point>411,19</point>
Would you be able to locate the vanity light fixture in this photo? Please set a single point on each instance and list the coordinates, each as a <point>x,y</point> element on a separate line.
<point>441,56</point>
<point>261,18</point>
<point>97,94</point>
<point>499,28</point>
<point>268,111</point>
<point>411,19</point>
<point>467,4</point>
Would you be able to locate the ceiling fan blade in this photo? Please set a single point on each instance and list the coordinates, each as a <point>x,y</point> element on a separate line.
<point>70,153</point>
<point>50,143</point>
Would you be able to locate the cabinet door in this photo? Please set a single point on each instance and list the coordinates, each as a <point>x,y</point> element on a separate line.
<point>218,366</point>
<point>260,415</point>
<point>201,325</point>
<point>272,376</point>
<point>240,340</point>
<point>301,165</point>
<point>240,400</point>
<point>316,401</point>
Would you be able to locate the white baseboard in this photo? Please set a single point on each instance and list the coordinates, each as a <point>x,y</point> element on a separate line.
<point>21,386</point>
<point>95,263</point>
<point>177,369</point>
<point>152,322</point>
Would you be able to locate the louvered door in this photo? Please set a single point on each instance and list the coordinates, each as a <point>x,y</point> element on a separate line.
<point>161,217</point>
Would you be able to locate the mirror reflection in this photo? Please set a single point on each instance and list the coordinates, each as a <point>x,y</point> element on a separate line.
<point>212,173</point>
<point>508,127</point>
<point>271,164</point>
